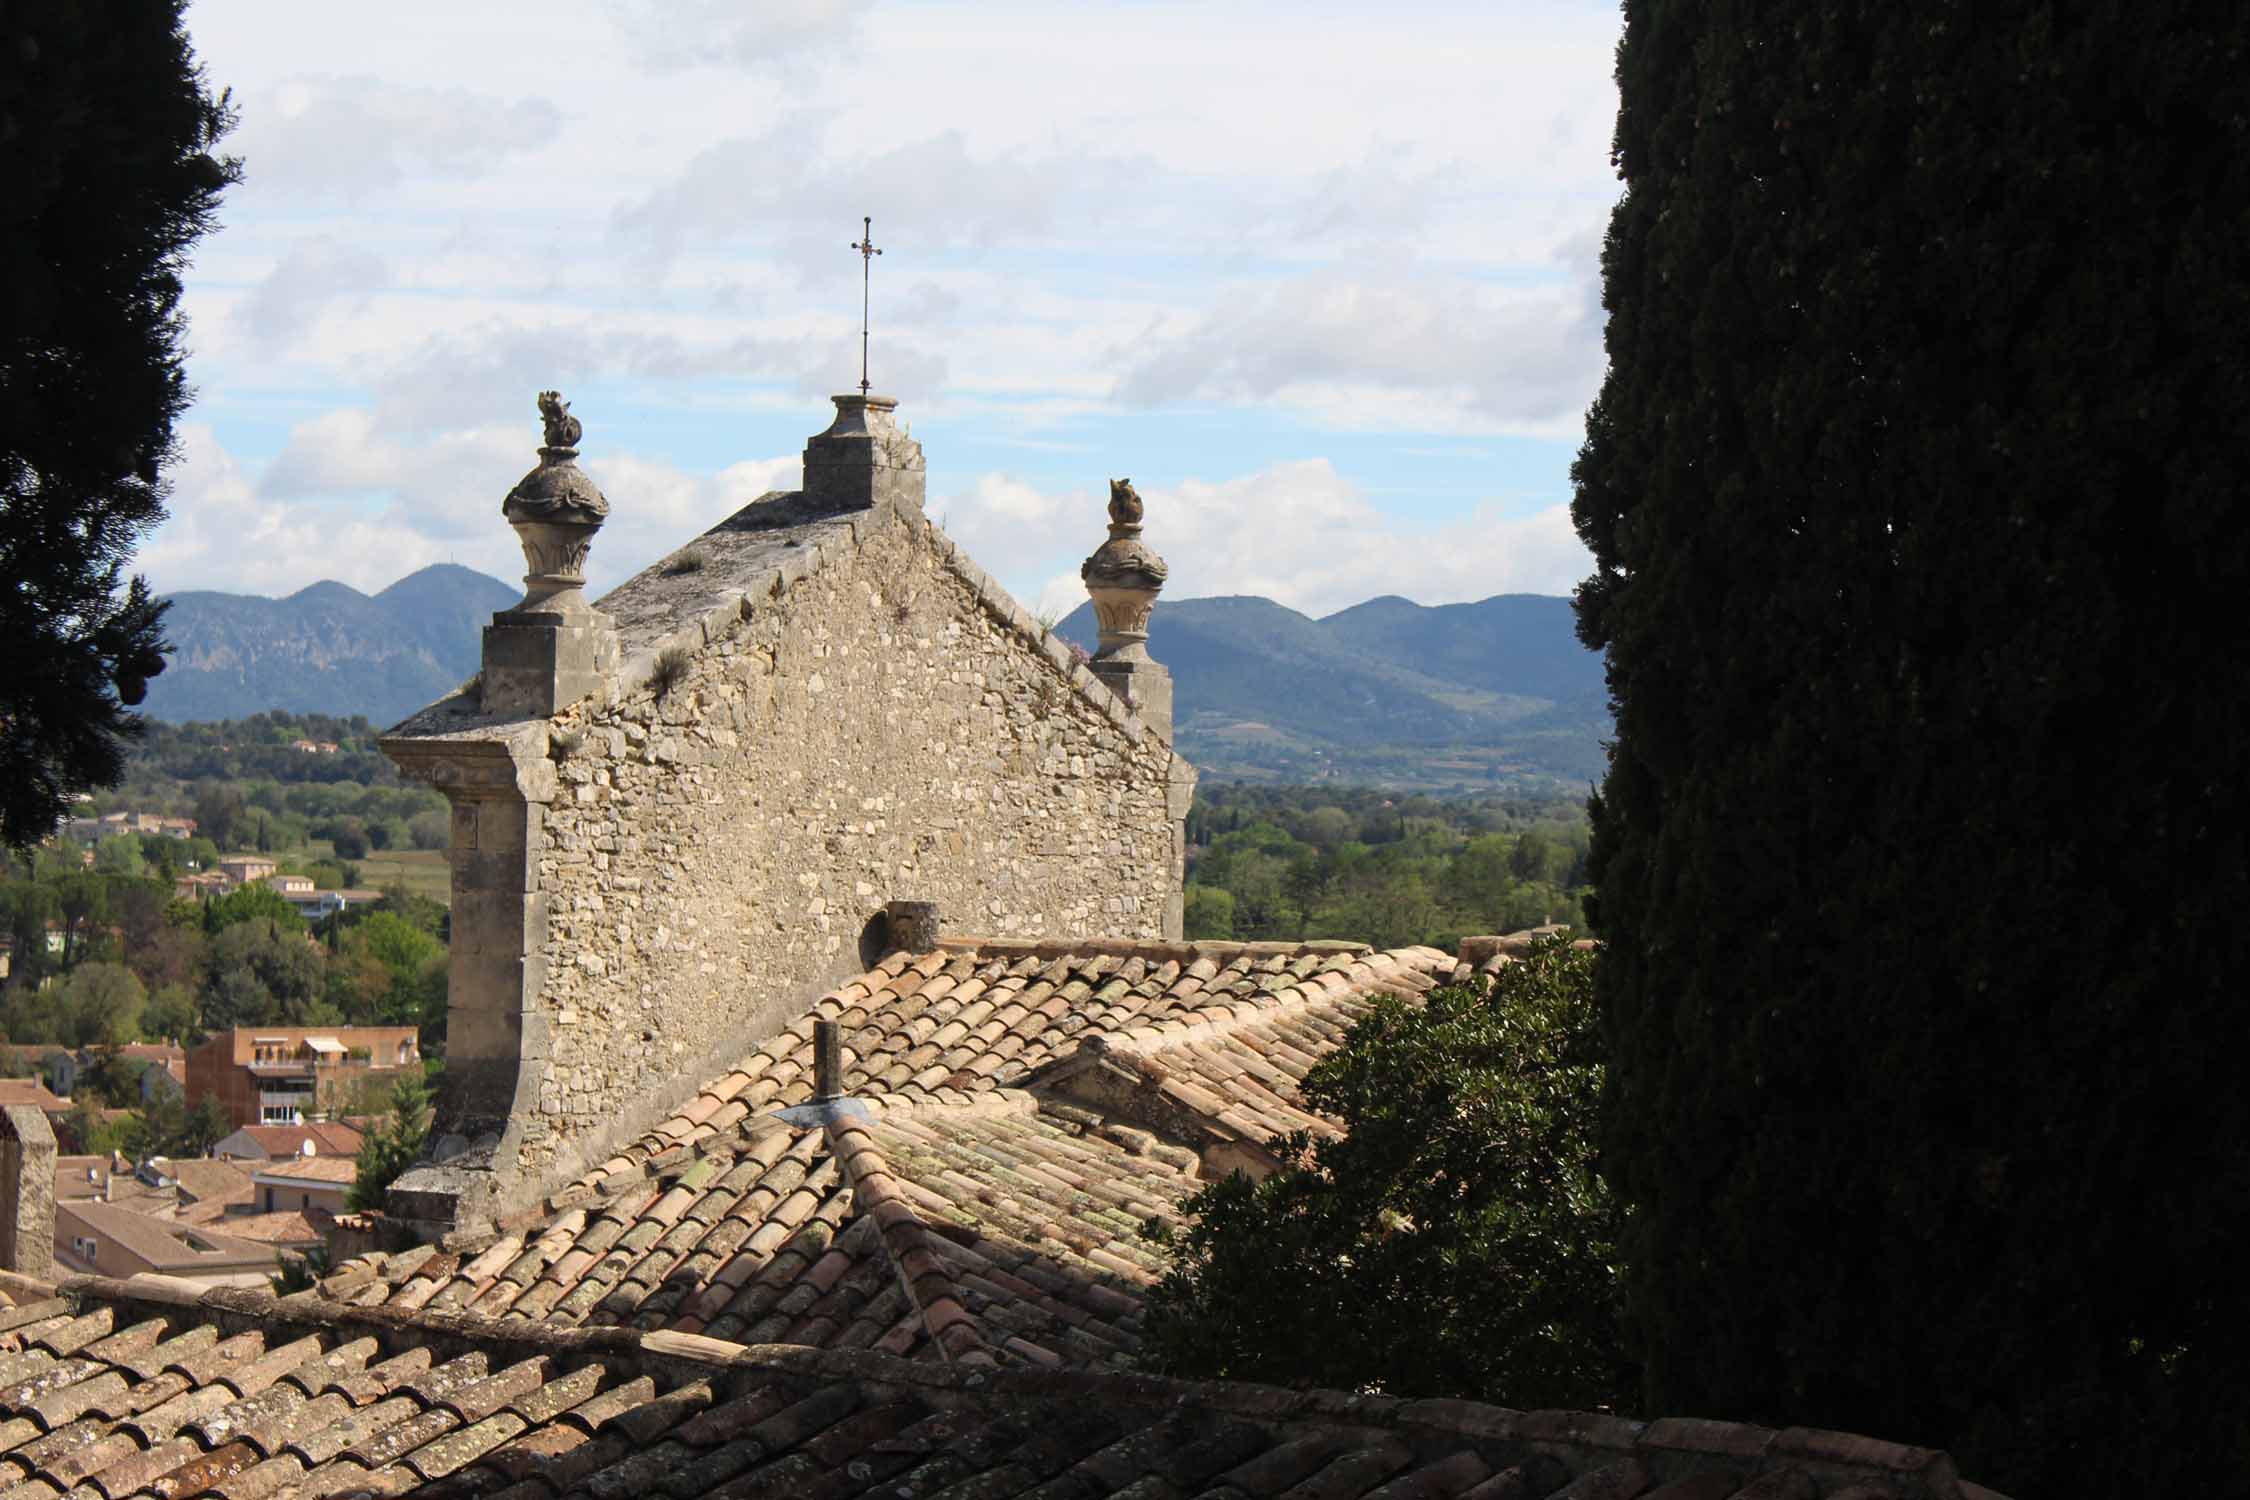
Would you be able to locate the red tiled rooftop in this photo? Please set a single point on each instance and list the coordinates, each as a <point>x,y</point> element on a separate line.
<point>154,1386</point>
<point>1013,1221</point>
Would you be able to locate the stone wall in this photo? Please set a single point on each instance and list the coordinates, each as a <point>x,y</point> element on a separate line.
<point>715,851</point>
<point>820,713</point>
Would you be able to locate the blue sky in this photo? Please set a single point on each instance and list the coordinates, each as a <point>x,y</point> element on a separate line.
<point>1322,279</point>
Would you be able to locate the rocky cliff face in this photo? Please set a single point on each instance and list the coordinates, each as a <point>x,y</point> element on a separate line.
<point>325,649</point>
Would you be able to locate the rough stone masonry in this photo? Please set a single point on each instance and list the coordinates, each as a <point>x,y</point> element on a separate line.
<point>817,708</point>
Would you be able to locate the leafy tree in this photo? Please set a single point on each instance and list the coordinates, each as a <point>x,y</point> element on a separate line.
<point>169,1126</point>
<point>120,854</point>
<point>218,808</point>
<point>350,839</point>
<point>1209,912</point>
<point>256,902</point>
<point>107,151</point>
<point>1914,493</point>
<point>113,1078</point>
<point>99,1002</point>
<point>169,1014</point>
<point>430,830</point>
<point>263,973</point>
<point>1456,1242</point>
<point>86,1132</point>
<point>390,1148</point>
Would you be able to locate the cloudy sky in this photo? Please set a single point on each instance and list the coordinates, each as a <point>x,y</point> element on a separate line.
<point>1321,278</point>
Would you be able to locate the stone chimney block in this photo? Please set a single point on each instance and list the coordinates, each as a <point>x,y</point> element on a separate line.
<point>27,1192</point>
<point>863,460</point>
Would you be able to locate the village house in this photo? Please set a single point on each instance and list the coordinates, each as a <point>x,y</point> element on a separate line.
<point>285,1075</point>
<point>821,1046</point>
<point>304,1182</point>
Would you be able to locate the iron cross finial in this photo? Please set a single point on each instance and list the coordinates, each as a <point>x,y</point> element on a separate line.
<point>865,245</point>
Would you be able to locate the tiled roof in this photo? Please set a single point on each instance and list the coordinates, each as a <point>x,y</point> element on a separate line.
<point>324,1171</point>
<point>329,1138</point>
<point>155,1387</point>
<point>947,1212</point>
<point>976,1014</point>
<point>211,1181</point>
<point>169,1244</point>
<point>292,1228</point>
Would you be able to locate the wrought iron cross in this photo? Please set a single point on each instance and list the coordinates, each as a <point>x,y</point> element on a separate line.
<point>865,245</point>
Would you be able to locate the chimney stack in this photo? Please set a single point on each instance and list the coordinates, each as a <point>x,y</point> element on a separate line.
<point>27,1192</point>
<point>863,461</point>
<point>828,1061</point>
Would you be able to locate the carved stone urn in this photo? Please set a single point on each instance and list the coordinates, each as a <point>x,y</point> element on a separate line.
<point>555,509</point>
<point>1123,578</point>
<point>553,648</point>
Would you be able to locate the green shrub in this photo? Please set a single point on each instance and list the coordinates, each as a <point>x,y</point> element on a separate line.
<point>1456,1242</point>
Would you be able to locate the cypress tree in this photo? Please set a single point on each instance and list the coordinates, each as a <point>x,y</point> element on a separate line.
<point>1914,492</point>
<point>106,149</point>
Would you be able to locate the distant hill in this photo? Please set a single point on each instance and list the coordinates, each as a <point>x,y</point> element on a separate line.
<point>327,648</point>
<point>1388,692</point>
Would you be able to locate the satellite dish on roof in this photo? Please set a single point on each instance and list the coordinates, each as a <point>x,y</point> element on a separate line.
<point>306,1147</point>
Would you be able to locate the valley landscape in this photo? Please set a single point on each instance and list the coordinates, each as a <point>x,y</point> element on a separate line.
<point>1465,698</point>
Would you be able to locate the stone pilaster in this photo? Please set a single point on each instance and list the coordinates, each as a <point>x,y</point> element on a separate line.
<point>497,1030</point>
<point>27,1192</point>
<point>863,460</point>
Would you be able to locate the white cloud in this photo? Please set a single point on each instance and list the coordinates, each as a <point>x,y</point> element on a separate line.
<point>1288,221</point>
<point>313,274</point>
<point>337,136</point>
<point>1426,352</point>
<point>224,534</point>
<point>1296,532</point>
<point>346,502</point>
<point>686,33</point>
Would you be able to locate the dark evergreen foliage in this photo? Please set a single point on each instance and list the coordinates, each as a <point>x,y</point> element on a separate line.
<point>1455,1242</point>
<point>1915,493</point>
<point>106,137</point>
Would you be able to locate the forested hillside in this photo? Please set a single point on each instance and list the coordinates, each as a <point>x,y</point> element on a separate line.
<point>1458,697</point>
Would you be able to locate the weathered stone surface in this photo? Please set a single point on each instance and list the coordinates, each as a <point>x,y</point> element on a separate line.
<point>27,1192</point>
<point>833,712</point>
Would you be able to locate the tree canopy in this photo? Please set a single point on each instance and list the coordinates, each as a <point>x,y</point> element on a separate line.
<point>1455,1242</point>
<point>107,144</point>
<point>1914,492</point>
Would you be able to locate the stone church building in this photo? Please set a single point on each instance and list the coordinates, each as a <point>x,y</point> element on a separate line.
<point>822,1045</point>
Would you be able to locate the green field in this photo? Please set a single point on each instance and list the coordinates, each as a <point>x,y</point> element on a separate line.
<point>421,871</point>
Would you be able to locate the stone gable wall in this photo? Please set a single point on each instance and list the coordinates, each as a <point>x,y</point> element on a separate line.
<point>880,729</point>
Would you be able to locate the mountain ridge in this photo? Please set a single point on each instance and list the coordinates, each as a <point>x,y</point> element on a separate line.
<point>1467,696</point>
<point>327,648</point>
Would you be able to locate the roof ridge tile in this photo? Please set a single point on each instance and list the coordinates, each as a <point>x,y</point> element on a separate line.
<point>928,1281</point>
